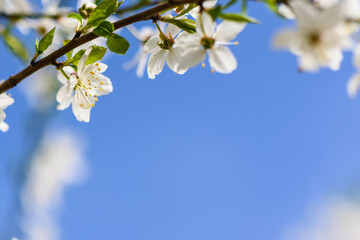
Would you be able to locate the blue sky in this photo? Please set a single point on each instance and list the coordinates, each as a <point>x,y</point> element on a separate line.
<point>204,156</point>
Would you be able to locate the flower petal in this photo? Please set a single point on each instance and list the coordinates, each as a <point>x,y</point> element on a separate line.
<point>63,97</point>
<point>173,60</point>
<point>222,60</point>
<point>353,85</point>
<point>4,127</point>
<point>228,30</point>
<point>205,25</point>
<point>83,59</point>
<point>151,45</point>
<point>191,58</point>
<point>156,63</point>
<point>172,30</point>
<point>81,114</point>
<point>68,70</point>
<point>285,38</point>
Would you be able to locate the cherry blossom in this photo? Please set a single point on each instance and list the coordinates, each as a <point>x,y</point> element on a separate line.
<point>212,40</point>
<point>82,88</point>
<point>319,39</point>
<point>163,48</point>
<point>5,101</point>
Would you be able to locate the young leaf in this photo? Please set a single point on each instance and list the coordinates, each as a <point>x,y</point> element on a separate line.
<point>15,45</point>
<point>75,16</point>
<point>101,13</point>
<point>96,54</point>
<point>104,29</point>
<point>117,44</point>
<point>46,41</point>
<point>185,24</point>
<point>237,17</point>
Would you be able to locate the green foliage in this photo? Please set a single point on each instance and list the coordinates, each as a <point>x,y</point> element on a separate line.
<point>15,45</point>
<point>104,29</point>
<point>187,25</point>
<point>103,10</point>
<point>186,10</point>
<point>75,16</point>
<point>117,44</point>
<point>96,54</point>
<point>237,17</point>
<point>272,5</point>
<point>45,42</point>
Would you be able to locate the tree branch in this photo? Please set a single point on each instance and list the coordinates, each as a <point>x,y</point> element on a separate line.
<point>12,81</point>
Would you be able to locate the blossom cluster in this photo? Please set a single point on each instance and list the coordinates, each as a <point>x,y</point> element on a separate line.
<point>182,38</point>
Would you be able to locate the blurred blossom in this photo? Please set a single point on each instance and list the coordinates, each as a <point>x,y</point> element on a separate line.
<point>337,219</point>
<point>40,90</point>
<point>59,162</point>
<point>140,59</point>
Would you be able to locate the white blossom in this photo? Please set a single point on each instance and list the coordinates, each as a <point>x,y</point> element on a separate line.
<point>319,39</point>
<point>206,5</point>
<point>58,163</point>
<point>334,220</point>
<point>212,40</point>
<point>140,59</point>
<point>82,88</point>
<point>163,48</point>
<point>5,101</point>
<point>354,82</point>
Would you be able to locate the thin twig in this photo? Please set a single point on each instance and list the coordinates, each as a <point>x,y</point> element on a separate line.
<point>32,68</point>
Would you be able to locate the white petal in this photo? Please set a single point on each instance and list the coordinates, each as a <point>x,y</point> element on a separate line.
<point>222,60</point>
<point>156,63</point>
<point>228,30</point>
<point>82,100</point>
<point>286,11</point>
<point>191,58</point>
<point>357,56</point>
<point>173,60</point>
<point>285,38</point>
<point>205,25</point>
<point>330,18</point>
<point>306,13</point>
<point>5,101</point>
<point>353,85</point>
<point>82,62</point>
<point>172,30</point>
<point>308,62</point>
<point>63,97</point>
<point>151,45</point>
<point>68,70</point>
<point>4,127</point>
<point>142,64</point>
<point>81,114</point>
<point>2,115</point>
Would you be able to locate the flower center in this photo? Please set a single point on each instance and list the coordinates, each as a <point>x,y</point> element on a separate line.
<point>314,38</point>
<point>207,42</point>
<point>167,41</point>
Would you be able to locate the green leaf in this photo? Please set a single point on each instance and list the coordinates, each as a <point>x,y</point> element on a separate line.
<point>16,46</point>
<point>185,24</point>
<point>101,13</point>
<point>46,41</point>
<point>237,17</point>
<point>104,29</point>
<point>117,44</point>
<point>215,12</point>
<point>96,54</point>
<point>272,5</point>
<point>75,16</point>
<point>37,45</point>
<point>186,10</point>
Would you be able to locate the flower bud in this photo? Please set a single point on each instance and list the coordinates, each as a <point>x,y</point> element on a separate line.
<point>86,9</point>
